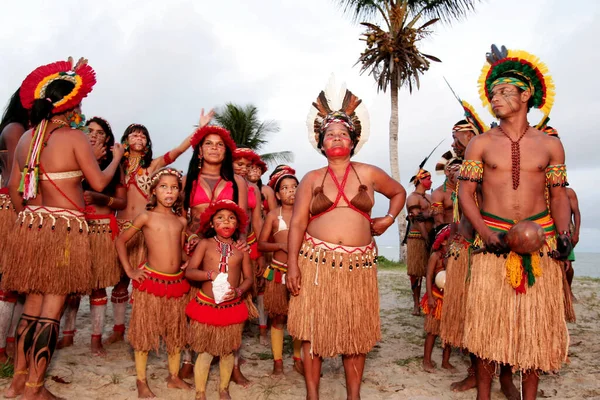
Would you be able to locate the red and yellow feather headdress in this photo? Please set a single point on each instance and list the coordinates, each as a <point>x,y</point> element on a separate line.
<point>35,84</point>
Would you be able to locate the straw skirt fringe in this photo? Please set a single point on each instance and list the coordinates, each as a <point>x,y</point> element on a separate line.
<point>527,331</point>
<point>432,325</point>
<point>106,268</point>
<point>7,221</point>
<point>48,252</point>
<point>215,340</point>
<point>337,309</point>
<point>136,246</point>
<point>276,298</point>
<point>154,317</point>
<point>417,257</point>
<point>455,293</point>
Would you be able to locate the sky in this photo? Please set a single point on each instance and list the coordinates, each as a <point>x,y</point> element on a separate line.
<point>159,62</point>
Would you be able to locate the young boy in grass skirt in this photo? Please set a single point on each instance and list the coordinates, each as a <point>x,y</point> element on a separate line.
<point>219,310</point>
<point>159,288</point>
<point>433,301</point>
<point>273,238</point>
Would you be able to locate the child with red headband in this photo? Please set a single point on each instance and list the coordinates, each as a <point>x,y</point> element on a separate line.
<point>219,311</point>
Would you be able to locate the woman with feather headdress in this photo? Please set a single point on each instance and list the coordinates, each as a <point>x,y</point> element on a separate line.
<point>332,264</point>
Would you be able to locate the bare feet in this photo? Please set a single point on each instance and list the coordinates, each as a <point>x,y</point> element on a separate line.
<point>416,311</point>
<point>239,378</point>
<point>40,394</point>
<point>264,340</point>
<point>200,396</point>
<point>299,366</point>
<point>144,391</point>
<point>429,366</point>
<point>468,383</point>
<point>186,371</point>
<point>65,341</point>
<point>224,395</point>
<point>175,382</point>
<point>277,367</point>
<point>115,337</point>
<point>97,348</point>
<point>508,387</point>
<point>17,385</point>
<point>449,367</point>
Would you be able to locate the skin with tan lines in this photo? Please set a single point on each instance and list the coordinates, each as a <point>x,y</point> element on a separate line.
<point>342,226</point>
<point>164,237</point>
<point>493,148</point>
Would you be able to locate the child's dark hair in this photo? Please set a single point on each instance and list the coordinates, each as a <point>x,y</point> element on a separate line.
<point>211,232</point>
<point>177,207</point>
<point>278,184</point>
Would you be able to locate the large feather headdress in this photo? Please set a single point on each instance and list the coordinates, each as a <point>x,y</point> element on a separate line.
<point>334,103</point>
<point>521,69</point>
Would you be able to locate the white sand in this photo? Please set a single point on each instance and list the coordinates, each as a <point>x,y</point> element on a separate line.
<point>393,369</point>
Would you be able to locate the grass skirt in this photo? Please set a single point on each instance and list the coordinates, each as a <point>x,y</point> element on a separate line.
<point>48,252</point>
<point>277,297</point>
<point>155,316</point>
<point>337,309</point>
<point>106,268</point>
<point>432,325</point>
<point>7,219</point>
<point>216,328</point>
<point>527,331</point>
<point>417,257</point>
<point>136,247</point>
<point>455,292</point>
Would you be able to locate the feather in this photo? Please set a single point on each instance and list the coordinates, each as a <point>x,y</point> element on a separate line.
<point>350,103</point>
<point>427,158</point>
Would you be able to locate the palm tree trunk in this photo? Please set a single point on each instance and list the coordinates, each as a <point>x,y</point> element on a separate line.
<point>395,168</point>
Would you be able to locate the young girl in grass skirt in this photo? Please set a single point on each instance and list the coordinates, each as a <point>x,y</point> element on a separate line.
<point>219,310</point>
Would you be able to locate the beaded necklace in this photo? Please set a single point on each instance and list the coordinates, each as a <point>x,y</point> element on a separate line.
<point>515,149</point>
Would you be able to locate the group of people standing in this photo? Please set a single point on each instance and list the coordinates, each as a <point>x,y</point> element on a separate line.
<point>506,306</point>
<point>208,250</point>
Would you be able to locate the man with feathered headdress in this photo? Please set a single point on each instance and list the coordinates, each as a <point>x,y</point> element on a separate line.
<point>523,176</point>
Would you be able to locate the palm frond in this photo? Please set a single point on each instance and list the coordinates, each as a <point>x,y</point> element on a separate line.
<point>446,10</point>
<point>245,127</point>
<point>280,157</point>
<point>361,10</point>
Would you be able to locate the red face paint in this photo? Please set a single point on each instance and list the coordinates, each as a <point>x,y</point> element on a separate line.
<point>225,231</point>
<point>337,152</point>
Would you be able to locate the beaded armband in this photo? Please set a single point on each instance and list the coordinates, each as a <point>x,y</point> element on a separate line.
<point>437,208</point>
<point>556,175</point>
<point>471,170</point>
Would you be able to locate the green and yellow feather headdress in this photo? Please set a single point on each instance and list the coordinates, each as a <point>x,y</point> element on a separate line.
<point>521,69</point>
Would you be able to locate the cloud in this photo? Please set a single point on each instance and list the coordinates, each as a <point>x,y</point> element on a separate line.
<point>159,62</point>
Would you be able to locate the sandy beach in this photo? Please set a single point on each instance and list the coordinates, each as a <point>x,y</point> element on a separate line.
<point>393,369</point>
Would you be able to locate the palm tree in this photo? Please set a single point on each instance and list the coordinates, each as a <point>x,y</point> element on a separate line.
<point>392,55</point>
<point>248,131</point>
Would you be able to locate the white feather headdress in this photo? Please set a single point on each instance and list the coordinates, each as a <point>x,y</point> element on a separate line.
<point>333,100</point>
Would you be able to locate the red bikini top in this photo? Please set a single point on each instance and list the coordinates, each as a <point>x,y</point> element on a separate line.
<point>199,195</point>
<point>251,198</point>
